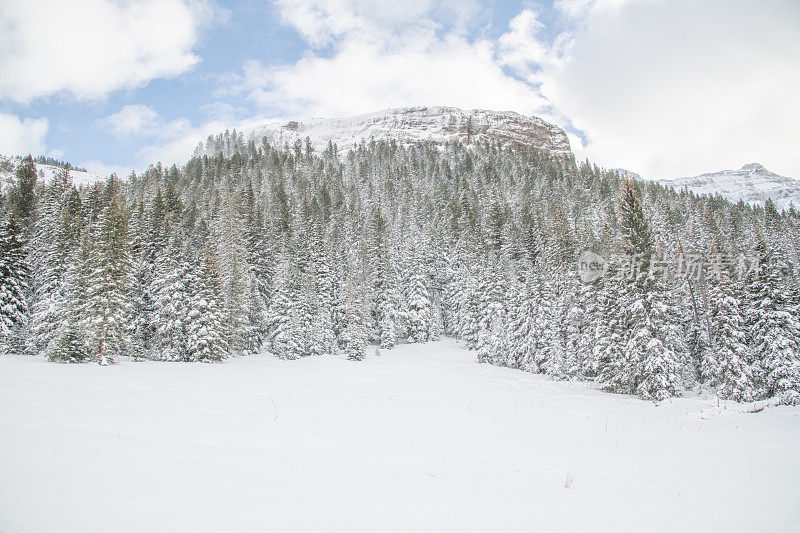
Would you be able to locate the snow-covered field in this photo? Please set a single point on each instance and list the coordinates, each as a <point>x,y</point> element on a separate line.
<point>419,439</point>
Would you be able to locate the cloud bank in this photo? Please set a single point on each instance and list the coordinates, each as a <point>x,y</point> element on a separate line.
<point>86,49</point>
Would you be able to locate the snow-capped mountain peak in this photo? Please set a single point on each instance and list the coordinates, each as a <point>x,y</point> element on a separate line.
<point>422,124</point>
<point>754,167</point>
<point>752,184</point>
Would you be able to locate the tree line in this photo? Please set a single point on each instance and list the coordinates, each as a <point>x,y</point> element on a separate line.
<point>250,246</point>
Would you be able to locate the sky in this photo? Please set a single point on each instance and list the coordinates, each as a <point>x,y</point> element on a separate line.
<point>663,88</point>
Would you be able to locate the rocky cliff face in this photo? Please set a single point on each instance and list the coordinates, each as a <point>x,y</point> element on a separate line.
<point>752,184</point>
<point>418,124</point>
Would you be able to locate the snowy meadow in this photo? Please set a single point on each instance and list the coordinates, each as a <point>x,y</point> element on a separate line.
<point>419,438</point>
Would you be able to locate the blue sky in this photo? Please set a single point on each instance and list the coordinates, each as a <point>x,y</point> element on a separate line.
<point>664,88</point>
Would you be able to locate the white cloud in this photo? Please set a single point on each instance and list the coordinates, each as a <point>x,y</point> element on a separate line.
<point>140,122</point>
<point>682,87</point>
<point>573,8</point>
<point>320,22</point>
<point>22,136</point>
<point>133,121</point>
<point>523,50</point>
<point>89,48</point>
<point>364,77</point>
<point>385,54</point>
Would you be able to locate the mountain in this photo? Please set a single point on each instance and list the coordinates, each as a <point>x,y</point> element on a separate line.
<point>79,177</point>
<point>627,174</point>
<point>752,183</point>
<point>422,124</point>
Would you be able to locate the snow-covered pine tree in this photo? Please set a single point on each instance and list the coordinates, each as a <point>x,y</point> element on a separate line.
<point>355,335</point>
<point>654,345</point>
<point>283,323</point>
<point>170,306</point>
<point>469,315</point>
<point>613,367</point>
<point>417,300</point>
<point>523,331</point>
<point>107,279</point>
<point>205,339</point>
<point>22,195</point>
<point>233,268</point>
<point>385,292</point>
<point>551,356</point>
<point>13,286</point>
<point>142,326</point>
<point>773,327</point>
<point>261,260</point>
<point>320,290</point>
<point>651,362</point>
<point>725,361</point>
<point>492,342</point>
<point>53,239</point>
<point>68,344</point>
<point>256,315</point>
<point>589,308</point>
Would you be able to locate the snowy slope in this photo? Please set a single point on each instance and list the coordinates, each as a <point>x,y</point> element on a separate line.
<point>46,172</point>
<point>416,124</point>
<point>752,183</point>
<point>420,439</point>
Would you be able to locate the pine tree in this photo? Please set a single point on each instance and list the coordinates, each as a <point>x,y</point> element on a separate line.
<point>171,307</point>
<point>22,196</point>
<point>205,340</point>
<point>256,316</point>
<point>649,364</point>
<point>13,286</point>
<point>54,238</point>
<point>492,337</point>
<point>107,279</point>
<point>68,344</point>
<point>385,293</point>
<point>726,359</point>
<point>417,302</point>
<point>524,332</point>
<point>355,332</point>
<point>773,327</point>
<point>613,365</point>
<point>282,315</point>
<point>233,269</point>
<point>551,356</point>
<point>469,317</point>
<point>142,326</point>
<point>654,347</point>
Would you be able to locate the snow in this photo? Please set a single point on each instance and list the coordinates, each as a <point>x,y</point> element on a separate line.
<point>421,438</point>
